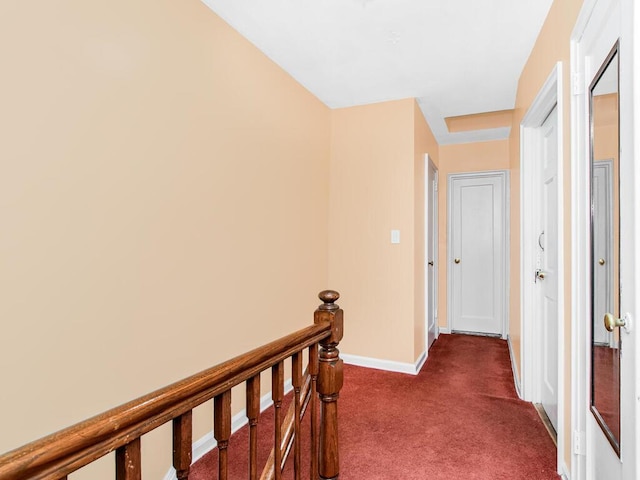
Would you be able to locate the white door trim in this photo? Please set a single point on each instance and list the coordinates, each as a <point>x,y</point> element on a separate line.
<point>503,175</point>
<point>550,95</point>
<point>580,262</point>
<point>428,163</point>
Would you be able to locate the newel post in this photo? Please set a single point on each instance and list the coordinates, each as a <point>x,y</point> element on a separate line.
<point>330,379</point>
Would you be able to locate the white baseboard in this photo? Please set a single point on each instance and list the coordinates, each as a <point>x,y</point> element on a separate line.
<point>388,365</point>
<point>205,444</point>
<point>420,362</point>
<point>564,472</point>
<point>514,369</point>
<point>444,330</point>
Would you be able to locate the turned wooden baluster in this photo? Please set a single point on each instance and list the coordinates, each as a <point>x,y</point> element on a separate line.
<point>182,435</point>
<point>222,430</point>
<point>330,377</point>
<point>253,412</point>
<point>277,395</point>
<point>128,461</point>
<point>313,373</point>
<point>296,380</point>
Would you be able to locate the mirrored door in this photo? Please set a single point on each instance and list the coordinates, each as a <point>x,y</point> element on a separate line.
<point>606,217</point>
<point>606,342</point>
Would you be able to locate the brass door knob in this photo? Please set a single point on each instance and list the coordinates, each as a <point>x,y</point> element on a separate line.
<point>601,261</point>
<point>457,260</point>
<point>611,322</point>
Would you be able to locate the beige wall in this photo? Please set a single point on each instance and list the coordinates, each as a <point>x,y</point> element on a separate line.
<point>164,205</point>
<point>371,192</point>
<point>376,155</point>
<point>605,125</point>
<point>551,46</point>
<point>465,157</point>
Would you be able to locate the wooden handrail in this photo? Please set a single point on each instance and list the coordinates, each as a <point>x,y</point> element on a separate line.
<point>63,452</point>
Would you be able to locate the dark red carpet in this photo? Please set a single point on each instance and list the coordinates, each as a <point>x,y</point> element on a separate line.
<point>460,418</point>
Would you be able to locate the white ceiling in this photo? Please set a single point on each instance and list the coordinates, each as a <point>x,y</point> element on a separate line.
<point>457,57</point>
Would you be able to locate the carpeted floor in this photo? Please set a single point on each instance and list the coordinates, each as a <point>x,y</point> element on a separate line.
<point>459,418</point>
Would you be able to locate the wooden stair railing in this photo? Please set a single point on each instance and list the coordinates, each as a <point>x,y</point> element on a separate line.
<point>290,426</point>
<point>59,454</point>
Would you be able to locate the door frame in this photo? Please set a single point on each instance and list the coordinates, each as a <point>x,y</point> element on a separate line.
<point>550,95</point>
<point>428,163</point>
<point>503,175</point>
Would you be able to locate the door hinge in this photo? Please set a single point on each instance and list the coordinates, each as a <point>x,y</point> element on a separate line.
<point>435,185</point>
<point>579,441</point>
<point>577,83</point>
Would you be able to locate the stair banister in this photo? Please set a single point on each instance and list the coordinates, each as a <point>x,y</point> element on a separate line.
<point>61,453</point>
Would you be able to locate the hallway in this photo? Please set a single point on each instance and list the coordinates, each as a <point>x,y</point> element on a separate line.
<point>173,194</point>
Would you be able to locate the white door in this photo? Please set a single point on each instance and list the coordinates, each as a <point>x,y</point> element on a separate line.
<point>477,252</point>
<point>542,252</point>
<point>604,61</point>
<point>547,265</point>
<point>431,251</point>
<point>603,284</point>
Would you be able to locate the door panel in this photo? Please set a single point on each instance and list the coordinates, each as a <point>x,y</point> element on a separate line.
<point>603,291</point>
<point>477,252</point>
<point>547,279</point>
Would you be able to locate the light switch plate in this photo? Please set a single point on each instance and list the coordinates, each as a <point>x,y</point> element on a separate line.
<point>395,236</point>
